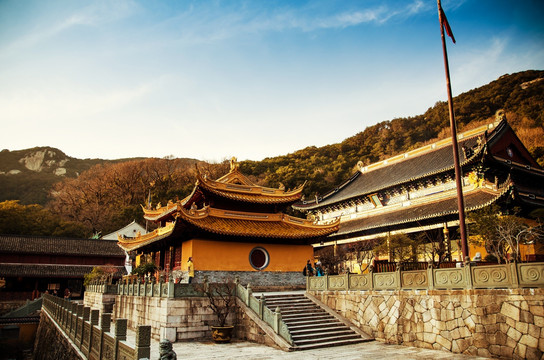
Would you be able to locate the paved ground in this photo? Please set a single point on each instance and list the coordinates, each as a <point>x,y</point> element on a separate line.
<point>250,351</point>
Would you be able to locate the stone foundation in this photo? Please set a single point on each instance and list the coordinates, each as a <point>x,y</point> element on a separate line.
<point>264,279</point>
<point>500,323</point>
<point>99,301</point>
<point>175,319</point>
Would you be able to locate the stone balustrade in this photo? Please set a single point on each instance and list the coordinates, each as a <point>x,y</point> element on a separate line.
<point>93,341</point>
<point>502,276</point>
<point>272,318</point>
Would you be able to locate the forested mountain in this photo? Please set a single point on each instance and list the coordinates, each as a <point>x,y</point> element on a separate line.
<point>106,195</point>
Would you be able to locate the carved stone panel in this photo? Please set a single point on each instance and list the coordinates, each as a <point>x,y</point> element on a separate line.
<point>108,348</point>
<point>531,274</point>
<point>385,281</point>
<point>491,276</point>
<point>450,278</point>
<point>338,282</point>
<point>415,279</point>
<point>360,282</point>
<point>318,283</point>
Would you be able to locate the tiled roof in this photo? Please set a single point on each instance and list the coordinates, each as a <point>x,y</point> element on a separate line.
<point>247,191</point>
<point>414,165</point>
<point>259,225</point>
<point>50,270</point>
<point>132,243</point>
<point>473,200</point>
<point>21,244</point>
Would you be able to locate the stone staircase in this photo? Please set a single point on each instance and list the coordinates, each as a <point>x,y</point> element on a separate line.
<point>310,325</point>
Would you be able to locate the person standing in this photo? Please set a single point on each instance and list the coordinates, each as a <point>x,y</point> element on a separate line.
<point>309,269</point>
<point>190,269</point>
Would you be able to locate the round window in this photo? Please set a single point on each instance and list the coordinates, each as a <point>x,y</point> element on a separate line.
<point>259,258</point>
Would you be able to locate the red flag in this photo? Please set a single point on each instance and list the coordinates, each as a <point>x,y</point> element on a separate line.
<point>446,25</point>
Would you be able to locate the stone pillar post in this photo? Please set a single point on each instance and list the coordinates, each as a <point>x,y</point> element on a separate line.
<point>262,304</point>
<point>105,322</point>
<point>277,319</point>
<point>143,342</point>
<point>94,316</point>
<point>249,293</point>
<point>121,329</point>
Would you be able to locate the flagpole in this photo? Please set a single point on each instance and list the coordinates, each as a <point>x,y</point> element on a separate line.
<point>455,145</point>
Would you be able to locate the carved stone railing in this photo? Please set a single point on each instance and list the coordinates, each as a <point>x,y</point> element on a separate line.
<point>512,275</point>
<point>80,325</point>
<point>271,317</point>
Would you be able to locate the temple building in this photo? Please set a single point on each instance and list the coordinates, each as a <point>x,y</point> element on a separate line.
<point>31,265</point>
<point>415,192</point>
<point>230,226</point>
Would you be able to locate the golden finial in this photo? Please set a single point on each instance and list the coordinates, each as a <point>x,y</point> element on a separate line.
<point>233,163</point>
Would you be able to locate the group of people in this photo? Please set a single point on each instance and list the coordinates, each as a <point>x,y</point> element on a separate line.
<point>67,293</point>
<point>309,270</point>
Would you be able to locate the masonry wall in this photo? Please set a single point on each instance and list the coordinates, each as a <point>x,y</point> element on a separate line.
<point>51,344</point>
<point>175,319</point>
<point>501,323</point>
<point>99,301</point>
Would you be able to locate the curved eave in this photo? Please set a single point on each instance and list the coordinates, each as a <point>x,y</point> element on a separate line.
<point>236,223</point>
<point>129,244</point>
<point>161,213</point>
<point>250,193</point>
<point>417,213</point>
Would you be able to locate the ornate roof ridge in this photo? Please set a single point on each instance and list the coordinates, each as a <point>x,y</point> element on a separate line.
<point>429,147</point>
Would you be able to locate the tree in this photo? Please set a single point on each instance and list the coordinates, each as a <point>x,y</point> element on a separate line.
<point>364,252</point>
<point>107,197</point>
<point>502,235</point>
<point>100,273</point>
<point>401,247</point>
<point>17,219</point>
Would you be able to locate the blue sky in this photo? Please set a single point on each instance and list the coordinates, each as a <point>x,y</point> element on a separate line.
<point>252,79</point>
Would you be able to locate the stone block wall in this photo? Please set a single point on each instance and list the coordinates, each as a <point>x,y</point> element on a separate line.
<point>175,319</point>
<point>50,344</point>
<point>99,301</point>
<point>504,323</point>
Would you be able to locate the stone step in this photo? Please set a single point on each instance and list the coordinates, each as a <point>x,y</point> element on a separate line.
<point>289,305</point>
<point>336,334</point>
<point>289,311</point>
<point>329,344</point>
<point>310,320</point>
<point>311,326</point>
<point>306,315</point>
<point>322,339</point>
<point>316,328</point>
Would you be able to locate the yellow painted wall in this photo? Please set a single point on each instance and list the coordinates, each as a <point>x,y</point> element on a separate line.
<point>209,255</point>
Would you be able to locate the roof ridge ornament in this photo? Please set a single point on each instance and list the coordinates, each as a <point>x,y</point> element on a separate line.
<point>500,115</point>
<point>234,165</point>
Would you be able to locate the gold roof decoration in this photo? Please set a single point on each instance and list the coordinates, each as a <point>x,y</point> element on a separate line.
<point>159,211</point>
<point>131,243</point>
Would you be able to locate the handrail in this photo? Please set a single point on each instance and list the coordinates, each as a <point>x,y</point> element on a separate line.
<point>502,276</point>
<point>258,306</point>
<point>80,325</point>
